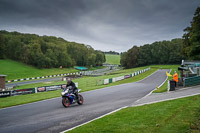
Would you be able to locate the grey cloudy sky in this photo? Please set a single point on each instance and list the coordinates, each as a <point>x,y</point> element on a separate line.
<point>104,24</point>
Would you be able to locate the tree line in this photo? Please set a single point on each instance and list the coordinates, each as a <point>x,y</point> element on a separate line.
<point>163,52</point>
<point>167,52</point>
<point>111,52</point>
<point>47,51</point>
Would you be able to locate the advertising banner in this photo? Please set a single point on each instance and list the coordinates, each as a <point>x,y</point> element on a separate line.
<point>127,76</point>
<point>22,91</point>
<point>110,80</point>
<point>41,89</point>
<point>114,79</point>
<point>120,78</point>
<point>5,93</point>
<point>52,88</point>
<point>106,81</point>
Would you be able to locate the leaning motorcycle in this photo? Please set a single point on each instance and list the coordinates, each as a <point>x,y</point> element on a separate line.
<point>69,98</point>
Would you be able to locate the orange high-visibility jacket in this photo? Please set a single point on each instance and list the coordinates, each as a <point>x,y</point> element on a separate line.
<point>175,77</point>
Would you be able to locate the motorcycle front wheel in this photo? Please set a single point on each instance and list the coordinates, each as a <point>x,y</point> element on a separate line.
<point>80,99</point>
<point>65,102</point>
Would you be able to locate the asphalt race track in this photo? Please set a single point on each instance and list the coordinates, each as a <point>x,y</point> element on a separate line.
<point>51,116</point>
<point>32,81</point>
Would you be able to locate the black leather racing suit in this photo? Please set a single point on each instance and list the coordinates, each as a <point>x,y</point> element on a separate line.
<point>74,88</point>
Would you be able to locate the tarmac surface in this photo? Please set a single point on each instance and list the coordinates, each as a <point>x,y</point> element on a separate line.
<point>9,85</point>
<point>50,116</point>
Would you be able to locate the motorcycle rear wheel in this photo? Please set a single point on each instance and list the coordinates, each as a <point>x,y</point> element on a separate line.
<point>65,102</point>
<point>80,100</point>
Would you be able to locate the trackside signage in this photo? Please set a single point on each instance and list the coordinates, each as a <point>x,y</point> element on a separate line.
<point>52,88</point>
<point>22,91</point>
<point>127,76</point>
<point>32,90</point>
<point>41,89</point>
<point>5,93</point>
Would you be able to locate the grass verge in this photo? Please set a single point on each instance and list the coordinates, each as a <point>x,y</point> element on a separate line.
<point>176,116</point>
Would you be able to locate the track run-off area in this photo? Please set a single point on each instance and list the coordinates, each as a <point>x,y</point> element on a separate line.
<point>50,115</point>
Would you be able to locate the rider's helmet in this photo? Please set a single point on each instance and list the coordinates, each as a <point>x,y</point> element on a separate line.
<point>69,81</point>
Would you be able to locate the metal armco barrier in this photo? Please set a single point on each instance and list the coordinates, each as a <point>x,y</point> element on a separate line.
<point>107,81</point>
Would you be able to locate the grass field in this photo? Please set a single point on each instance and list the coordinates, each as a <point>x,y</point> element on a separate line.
<point>112,59</point>
<point>176,116</point>
<point>17,70</point>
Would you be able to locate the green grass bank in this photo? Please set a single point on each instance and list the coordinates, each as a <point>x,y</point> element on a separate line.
<point>17,70</point>
<point>112,59</point>
<point>176,116</point>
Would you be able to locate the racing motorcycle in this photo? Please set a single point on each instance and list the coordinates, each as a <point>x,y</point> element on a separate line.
<point>69,98</point>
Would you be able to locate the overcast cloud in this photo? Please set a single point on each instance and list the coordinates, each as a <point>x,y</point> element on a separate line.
<point>106,25</point>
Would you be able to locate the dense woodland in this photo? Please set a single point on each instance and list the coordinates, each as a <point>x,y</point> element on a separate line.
<point>167,52</point>
<point>47,51</point>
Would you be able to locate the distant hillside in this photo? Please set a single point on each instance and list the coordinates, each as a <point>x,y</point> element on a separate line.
<point>47,51</point>
<point>16,70</point>
<point>113,59</point>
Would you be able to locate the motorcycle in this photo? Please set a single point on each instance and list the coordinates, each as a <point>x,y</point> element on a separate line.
<point>69,98</point>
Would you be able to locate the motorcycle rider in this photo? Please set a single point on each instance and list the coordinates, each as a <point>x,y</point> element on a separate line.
<point>74,88</point>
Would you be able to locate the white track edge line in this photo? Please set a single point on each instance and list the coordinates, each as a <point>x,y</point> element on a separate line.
<point>165,100</point>
<point>145,77</point>
<point>94,119</point>
<point>153,89</point>
<point>127,107</point>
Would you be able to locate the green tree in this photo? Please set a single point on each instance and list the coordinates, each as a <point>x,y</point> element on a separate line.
<point>130,58</point>
<point>2,47</point>
<point>100,57</point>
<point>123,60</point>
<point>192,38</point>
<point>47,51</point>
<point>145,55</point>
